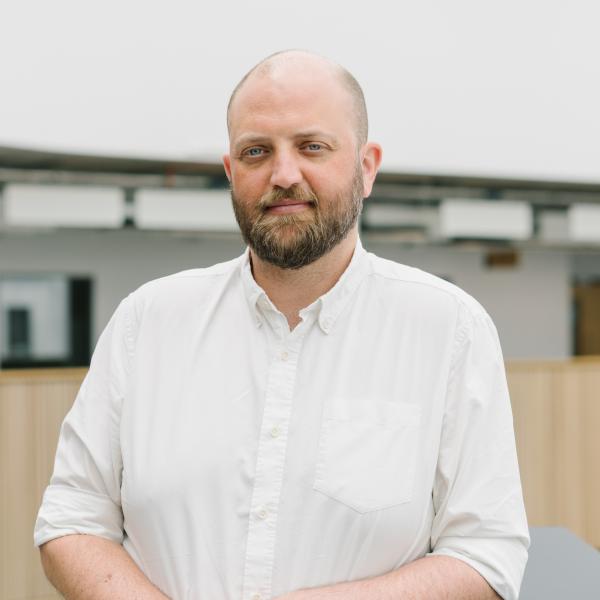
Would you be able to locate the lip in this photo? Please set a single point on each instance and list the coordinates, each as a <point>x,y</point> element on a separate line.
<point>288,206</point>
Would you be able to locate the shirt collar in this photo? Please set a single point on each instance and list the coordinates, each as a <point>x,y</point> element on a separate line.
<point>327,307</point>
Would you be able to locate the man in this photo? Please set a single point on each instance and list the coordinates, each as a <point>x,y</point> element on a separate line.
<point>305,422</point>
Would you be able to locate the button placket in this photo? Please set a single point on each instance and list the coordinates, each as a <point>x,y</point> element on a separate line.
<point>270,462</point>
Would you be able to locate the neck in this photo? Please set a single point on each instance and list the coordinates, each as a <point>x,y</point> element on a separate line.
<point>291,290</point>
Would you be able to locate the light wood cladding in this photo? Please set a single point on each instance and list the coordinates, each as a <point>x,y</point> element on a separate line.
<point>556,408</point>
<point>32,407</point>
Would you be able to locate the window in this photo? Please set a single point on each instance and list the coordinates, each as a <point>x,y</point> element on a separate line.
<point>45,321</point>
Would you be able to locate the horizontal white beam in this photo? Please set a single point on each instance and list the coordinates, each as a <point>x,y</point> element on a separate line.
<point>486,219</point>
<point>584,223</point>
<point>197,210</point>
<point>32,205</point>
<point>398,215</point>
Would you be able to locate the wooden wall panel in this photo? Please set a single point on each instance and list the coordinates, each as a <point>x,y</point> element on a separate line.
<point>32,407</point>
<point>534,434</point>
<point>556,408</point>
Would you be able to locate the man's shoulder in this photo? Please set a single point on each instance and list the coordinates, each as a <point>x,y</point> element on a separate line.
<point>427,287</point>
<point>190,285</point>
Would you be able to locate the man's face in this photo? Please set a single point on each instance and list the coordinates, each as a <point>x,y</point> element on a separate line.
<point>296,176</point>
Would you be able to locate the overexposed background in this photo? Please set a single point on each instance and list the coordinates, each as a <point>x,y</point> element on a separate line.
<point>469,86</point>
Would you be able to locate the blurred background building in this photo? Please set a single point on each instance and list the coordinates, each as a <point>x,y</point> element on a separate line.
<point>80,232</point>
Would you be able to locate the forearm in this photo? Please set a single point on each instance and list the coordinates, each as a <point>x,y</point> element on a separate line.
<point>86,567</point>
<point>429,578</point>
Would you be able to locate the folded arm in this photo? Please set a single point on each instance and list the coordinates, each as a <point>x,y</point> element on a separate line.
<point>428,578</point>
<point>87,567</point>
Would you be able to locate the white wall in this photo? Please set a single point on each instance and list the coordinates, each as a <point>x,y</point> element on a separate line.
<point>529,304</point>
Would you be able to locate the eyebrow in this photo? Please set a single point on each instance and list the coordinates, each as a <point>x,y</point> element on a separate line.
<point>250,139</point>
<point>316,133</point>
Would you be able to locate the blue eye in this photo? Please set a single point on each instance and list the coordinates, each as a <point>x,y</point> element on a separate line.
<point>254,151</point>
<point>314,147</point>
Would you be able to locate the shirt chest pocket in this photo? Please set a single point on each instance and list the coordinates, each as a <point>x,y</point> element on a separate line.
<point>367,457</point>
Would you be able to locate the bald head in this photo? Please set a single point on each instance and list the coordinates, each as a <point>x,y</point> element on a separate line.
<point>282,64</point>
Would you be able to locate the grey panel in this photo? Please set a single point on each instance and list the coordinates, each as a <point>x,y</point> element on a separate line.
<point>561,566</point>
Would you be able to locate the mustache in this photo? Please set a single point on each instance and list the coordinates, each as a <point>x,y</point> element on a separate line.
<point>294,192</point>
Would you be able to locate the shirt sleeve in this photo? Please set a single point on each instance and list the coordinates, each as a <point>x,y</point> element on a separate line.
<point>84,494</point>
<point>480,515</point>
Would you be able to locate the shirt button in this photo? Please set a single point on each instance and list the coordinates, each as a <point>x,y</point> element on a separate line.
<point>275,431</point>
<point>256,597</point>
<point>262,513</point>
<point>284,355</point>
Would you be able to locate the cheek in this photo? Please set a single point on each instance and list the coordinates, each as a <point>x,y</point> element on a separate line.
<point>330,182</point>
<point>249,186</point>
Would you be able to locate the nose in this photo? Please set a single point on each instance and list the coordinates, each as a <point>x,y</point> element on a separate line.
<point>286,170</point>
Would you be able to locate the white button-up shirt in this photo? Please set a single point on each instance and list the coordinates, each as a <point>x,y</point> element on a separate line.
<point>236,459</point>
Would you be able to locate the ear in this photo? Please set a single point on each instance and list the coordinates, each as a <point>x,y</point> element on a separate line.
<point>371,154</point>
<point>227,165</point>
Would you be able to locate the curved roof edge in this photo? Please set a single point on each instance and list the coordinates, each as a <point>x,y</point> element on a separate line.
<point>34,159</point>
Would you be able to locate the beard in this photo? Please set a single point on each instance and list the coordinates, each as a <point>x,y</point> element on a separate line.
<point>292,241</point>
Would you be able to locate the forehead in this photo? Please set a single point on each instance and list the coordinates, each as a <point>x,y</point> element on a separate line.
<point>293,98</point>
